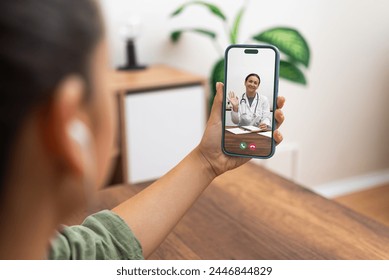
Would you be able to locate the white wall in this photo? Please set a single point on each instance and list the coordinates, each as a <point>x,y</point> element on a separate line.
<point>240,65</point>
<point>340,121</point>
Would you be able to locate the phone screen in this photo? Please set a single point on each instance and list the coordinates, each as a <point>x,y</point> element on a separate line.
<point>251,83</point>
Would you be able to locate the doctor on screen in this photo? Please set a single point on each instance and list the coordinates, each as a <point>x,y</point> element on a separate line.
<point>253,108</point>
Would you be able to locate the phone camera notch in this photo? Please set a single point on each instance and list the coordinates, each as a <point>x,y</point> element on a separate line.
<point>251,51</point>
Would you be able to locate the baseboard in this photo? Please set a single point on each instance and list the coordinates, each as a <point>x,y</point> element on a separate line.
<point>352,184</point>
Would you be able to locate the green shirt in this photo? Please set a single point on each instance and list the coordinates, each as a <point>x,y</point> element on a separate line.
<point>103,235</point>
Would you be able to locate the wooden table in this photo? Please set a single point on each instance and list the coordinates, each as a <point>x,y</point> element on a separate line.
<point>233,141</point>
<point>251,213</point>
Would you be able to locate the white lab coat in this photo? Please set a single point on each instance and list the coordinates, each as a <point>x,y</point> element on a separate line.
<point>257,113</point>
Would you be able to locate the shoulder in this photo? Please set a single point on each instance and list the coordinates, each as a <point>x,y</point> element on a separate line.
<point>103,235</point>
<point>263,98</point>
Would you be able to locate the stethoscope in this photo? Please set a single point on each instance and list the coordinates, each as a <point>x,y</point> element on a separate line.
<point>256,105</point>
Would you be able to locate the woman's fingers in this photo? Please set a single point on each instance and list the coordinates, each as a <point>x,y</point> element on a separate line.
<point>278,137</point>
<point>280,102</point>
<point>279,115</point>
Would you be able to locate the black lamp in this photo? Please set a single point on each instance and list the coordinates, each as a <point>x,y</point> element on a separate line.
<point>129,31</point>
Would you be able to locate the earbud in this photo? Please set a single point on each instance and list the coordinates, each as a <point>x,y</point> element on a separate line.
<point>79,132</point>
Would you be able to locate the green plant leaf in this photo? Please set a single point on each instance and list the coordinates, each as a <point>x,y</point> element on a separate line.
<point>291,72</point>
<point>178,11</point>
<point>211,7</point>
<point>235,26</point>
<point>288,41</point>
<point>208,33</point>
<point>217,75</point>
<point>176,35</point>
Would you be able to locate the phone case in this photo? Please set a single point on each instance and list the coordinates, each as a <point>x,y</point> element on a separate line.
<point>275,94</point>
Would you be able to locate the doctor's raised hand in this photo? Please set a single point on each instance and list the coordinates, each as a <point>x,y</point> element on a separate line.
<point>210,146</point>
<point>234,100</point>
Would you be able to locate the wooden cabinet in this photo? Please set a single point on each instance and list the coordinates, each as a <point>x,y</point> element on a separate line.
<point>162,116</point>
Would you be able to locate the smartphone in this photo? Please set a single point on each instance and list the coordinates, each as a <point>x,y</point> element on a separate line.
<point>249,102</point>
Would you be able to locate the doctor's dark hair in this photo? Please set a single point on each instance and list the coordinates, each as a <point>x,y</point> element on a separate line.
<point>253,74</point>
<point>42,41</point>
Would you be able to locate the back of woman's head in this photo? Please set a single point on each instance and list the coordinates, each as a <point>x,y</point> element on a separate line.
<point>41,42</point>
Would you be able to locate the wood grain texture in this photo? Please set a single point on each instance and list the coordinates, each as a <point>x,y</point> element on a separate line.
<point>251,213</point>
<point>152,78</point>
<point>373,203</point>
<point>232,143</point>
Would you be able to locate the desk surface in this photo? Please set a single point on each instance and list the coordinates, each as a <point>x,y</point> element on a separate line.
<point>232,143</point>
<point>251,213</point>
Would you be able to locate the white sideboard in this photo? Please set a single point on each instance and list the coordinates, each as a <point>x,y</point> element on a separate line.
<point>162,126</point>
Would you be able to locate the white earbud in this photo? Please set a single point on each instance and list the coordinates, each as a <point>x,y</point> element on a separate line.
<point>79,132</point>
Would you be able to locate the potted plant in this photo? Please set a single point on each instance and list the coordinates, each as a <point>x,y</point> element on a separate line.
<point>295,53</point>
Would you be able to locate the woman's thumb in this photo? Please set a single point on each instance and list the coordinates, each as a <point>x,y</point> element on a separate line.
<point>217,103</point>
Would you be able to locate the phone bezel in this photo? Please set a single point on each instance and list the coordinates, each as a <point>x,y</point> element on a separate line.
<point>275,94</point>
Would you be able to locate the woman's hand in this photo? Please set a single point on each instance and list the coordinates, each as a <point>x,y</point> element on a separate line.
<point>210,145</point>
<point>234,100</point>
